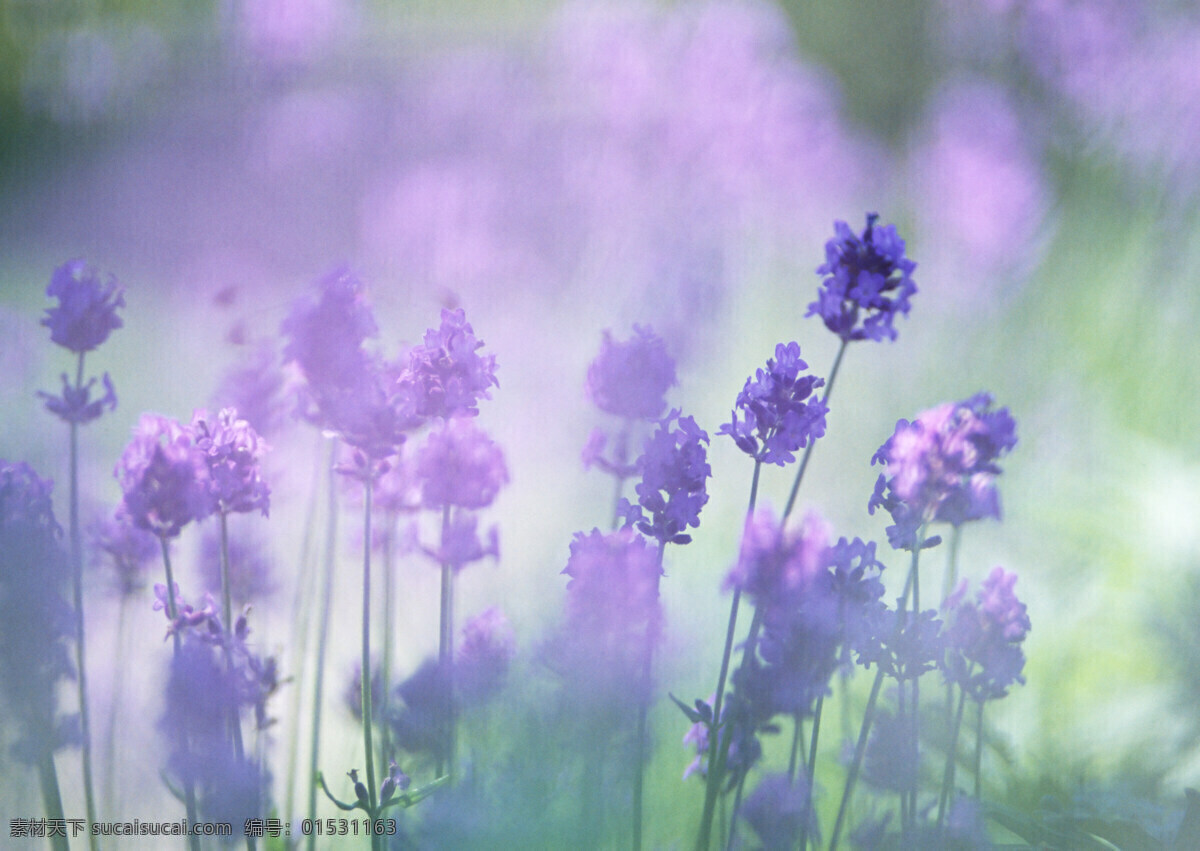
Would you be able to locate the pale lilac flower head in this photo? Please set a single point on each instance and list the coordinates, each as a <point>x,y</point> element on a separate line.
<point>255,387</point>
<point>942,467</point>
<point>777,562</point>
<point>484,654</point>
<point>87,307</point>
<point>164,477</point>
<point>461,543</point>
<point>985,637</point>
<point>233,453</point>
<point>631,378</point>
<point>868,280</point>
<point>129,549</point>
<point>446,376</point>
<point>460,465</point>
<point>778,412</point>
<point>672,491</point>
<point>76,404</point>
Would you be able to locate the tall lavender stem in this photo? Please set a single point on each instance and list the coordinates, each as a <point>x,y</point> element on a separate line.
<point>189,788</point>
<point>368,747</point>
<point>639,756</point>
<point>235,716</point>
<point>833,372</point>
<point>445,759</point>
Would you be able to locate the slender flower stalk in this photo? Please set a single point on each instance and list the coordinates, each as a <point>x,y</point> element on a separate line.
<point>979,753</point>
<point>833,372</point>
<point>445,756</point>
<point>951,759</point>
<point>639,758</point>
<point>189,788</point>
<point>368,747</point>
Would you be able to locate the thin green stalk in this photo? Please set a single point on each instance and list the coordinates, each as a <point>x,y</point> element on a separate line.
<point>389,614</point>
<point>733,816</point>
<point>639,767</point>
<point>791,503</point>
<point>796,753</point>
<point>189,789</point>
<point>951,755</point>
<point>322,636</point>
<point>979,754</point>
<point>812,767</point>
<point>111,789</point>
<point>85,724</point>
<point>445,759</point>
<point>916,689</point>
<point>235,716</point>
<point>621,456</point>
<point>368,747</point>
<point>859,752</point>
<point>716,768</point>
<point>51,798</point>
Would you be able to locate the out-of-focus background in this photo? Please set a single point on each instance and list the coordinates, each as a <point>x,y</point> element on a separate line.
<point>560,169</point>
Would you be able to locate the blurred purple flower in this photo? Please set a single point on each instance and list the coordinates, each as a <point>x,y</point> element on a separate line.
<point>419,719</point>
<point>483,656</point>
<point>674,465</point>
<point>232,451</point>
<point>446,376</point>
<point>205,622</point>
<point>75,405</point>
<point>130,550</point>
<point>776,418</point>
<point>250,571</point>
<point>868,280</point>
<point>87,308</point>
<point>631,378</point>
<point>942,467</point>
<point>889,758</point>
<point>985,637</point>
<point>461,544</point>
<point>163,475</point>
<point>255,387</point>
<point>777,810</point>
<point>777,562</point>
<point>460,465</point>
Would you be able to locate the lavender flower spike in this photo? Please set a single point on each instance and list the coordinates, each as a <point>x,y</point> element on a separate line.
<point>446,376</point>
<point>778,415</point>
<point>672,490</point>
<point>631,378</point>
<point>460,465</point>
<point>868,280</point>
<point>232,452</point>
<point>87,308</point>
<point>164,477</point>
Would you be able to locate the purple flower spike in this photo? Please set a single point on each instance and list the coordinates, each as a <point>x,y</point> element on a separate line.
<point>776,418</point>
<point>672,491</point>
<point>777,563</point>
<point>460,465</point>
<point>868,280</point>
<point>164,477</point>
<point>130,550</point>
<point>985,637</point>
<point>76,405</point>
<point>87,307</point>
<point>446,376</point>
<point>484,654</point>
<point>631,378</point>
<point>233,453</point>
<point>326,333</point>
<point>942,467</point>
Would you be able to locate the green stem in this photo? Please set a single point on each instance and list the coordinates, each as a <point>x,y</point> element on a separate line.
<point>85,725</point>
<point>368,747</point>
<point>445,759</point>
<point>791,503</point>
<point>639,767</point>
<point>621,456</point>
<point>947,589</point>
<point>916,688</point>
<point>389,614</point>
<point>794,756</point>
<point>112,790</point>
<point>51,798</point>
<point>951,755</point>
<point>189,788</point>
<point>322,636</point>
<point>812,767</point>
<point>979,754</point>
<point>235,716</point>
<point>859,752</point>
<point>733,815</point>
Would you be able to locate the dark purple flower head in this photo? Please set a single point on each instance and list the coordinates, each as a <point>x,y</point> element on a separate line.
<point>868,280</point>
<point>942,467</point>
<point>164,477</point>
<point>777,562</point>
<point>484,653</point>
<point>674,465</point>
<point>631,378</point>
<point>130,550</point>
<point>76,404</point>
<point>985,637</point>
<point>777,811</point>
<point>460,465</point>
<point>87,307</point>
<point>612,609</point>
<point>777,414</point>
<point>232,452</point>
<point>36,623</point>
<point>446,376</point>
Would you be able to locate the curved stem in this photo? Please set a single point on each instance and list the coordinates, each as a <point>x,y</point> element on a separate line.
<point>51,798</point>
<point>322,636</point>
<point>833,372</point>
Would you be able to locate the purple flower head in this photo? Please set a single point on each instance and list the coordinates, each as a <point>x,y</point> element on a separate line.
<point>613,610</point>
<point>777,562</point>
<point>631,378</point>
<point>868,280</point>
<point>164,476</point>
<point>424,698</point>
<point>250,569</point>
<point>36,623</point>
<point>255,387</point>
<point>985,637</point>
<point>87,307</point>
<point>777,811</point>
<point>776,419</point>
<point>858,590</point>
<point>942,467</point>
<point>326,333</point>
<point>461,544</point>
<point>446,376</point>
<point>484,654</point>
<point>460,465</point>
<point>76,404</point>
<point>744,749</point>
<point>203,621</point>
<point>127,548</point>
<point>674,465</point>
<point>233,453</point>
